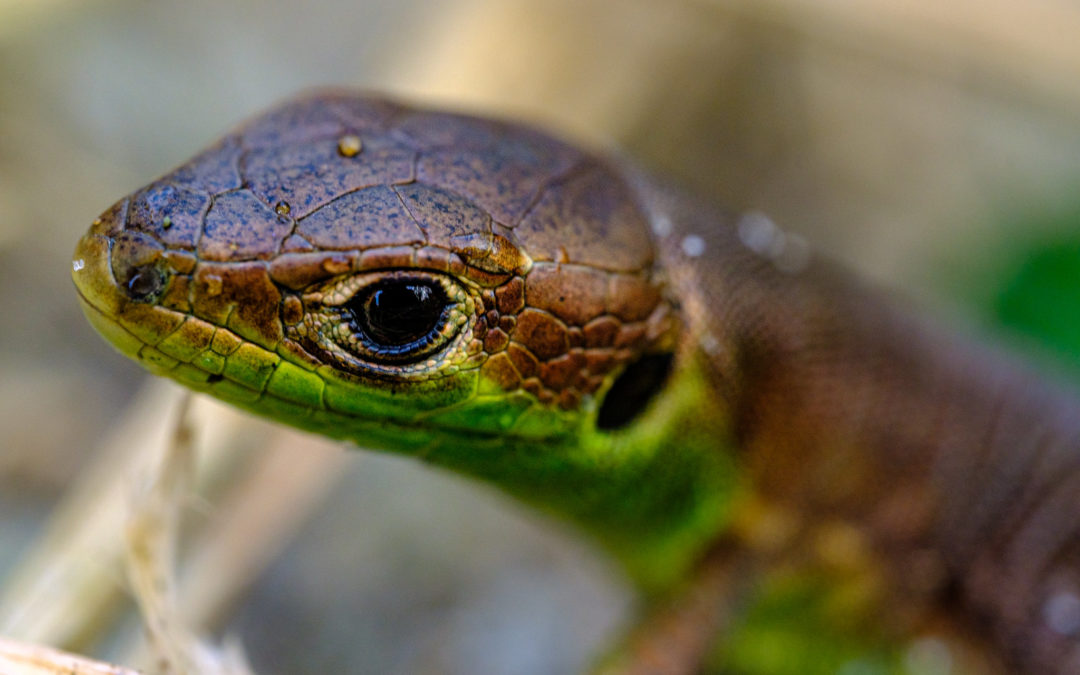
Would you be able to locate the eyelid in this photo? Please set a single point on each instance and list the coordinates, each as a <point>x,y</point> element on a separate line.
<point>341,290</point>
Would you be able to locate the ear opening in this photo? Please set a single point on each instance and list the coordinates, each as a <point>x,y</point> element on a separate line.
<point>632,391</point>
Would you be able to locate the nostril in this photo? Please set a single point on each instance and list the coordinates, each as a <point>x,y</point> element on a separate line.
<point>144,283</point>
<point>138,266</point>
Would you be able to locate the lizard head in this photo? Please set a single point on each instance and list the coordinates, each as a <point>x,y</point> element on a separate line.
<point>472,292</point>
<point>388,275</point>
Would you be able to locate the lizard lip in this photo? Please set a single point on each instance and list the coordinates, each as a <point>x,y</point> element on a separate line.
<point>92,275</point>
<point>101,299</point>
<point>119,308</point>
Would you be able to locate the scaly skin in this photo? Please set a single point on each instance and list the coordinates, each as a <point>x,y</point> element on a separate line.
<point>795,396</point>
<point>547,317</point>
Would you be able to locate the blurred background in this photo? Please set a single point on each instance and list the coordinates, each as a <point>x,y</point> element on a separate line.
<point>934,147</point>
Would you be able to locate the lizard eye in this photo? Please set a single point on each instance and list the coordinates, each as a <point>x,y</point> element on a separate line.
<point>392,322</point>
<point>399,316</point>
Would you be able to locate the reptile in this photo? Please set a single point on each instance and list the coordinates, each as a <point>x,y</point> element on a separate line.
<point>683,383</point>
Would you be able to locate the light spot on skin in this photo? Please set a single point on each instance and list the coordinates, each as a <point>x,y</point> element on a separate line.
<point>710,344</point>
<point>789,253</point>
<point>337,265</point>
<point>349,145</point>
<point>1061,612</point>
<point>693,245</point>
<point>661,225</point>
<point>214,285</point>
<point>757,232</point>
<point>77,265</point>
<point>929,656</point>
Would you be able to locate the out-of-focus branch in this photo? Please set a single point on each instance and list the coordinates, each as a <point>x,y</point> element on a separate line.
<point>21,658</point>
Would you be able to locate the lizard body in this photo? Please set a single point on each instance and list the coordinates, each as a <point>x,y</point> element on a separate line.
<point>492,300</point>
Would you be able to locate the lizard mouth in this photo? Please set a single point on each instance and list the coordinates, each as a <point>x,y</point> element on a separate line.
<point>100,296</point>
<point>284,385</point>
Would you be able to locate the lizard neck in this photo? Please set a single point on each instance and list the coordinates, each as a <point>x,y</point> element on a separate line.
<point>951,460</point>
<point>656,494</point>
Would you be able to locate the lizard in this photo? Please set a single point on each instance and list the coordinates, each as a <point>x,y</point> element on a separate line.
<point>685,384</point>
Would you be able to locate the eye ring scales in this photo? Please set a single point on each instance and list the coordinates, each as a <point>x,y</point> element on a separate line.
<point>389,322</point>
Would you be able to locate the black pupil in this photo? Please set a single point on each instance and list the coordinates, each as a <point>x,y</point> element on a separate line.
<point>398,313</point>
